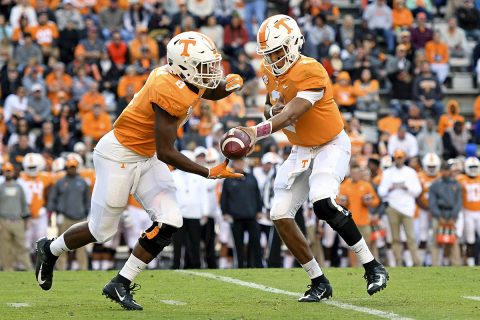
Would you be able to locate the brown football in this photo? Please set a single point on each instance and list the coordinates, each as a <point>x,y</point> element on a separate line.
<point>235,144</point>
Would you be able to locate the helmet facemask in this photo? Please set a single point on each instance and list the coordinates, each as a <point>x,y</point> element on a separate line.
<point>472,170</point>
<point>432,170</point>
<point>208,73</point>
<point>288,56</point>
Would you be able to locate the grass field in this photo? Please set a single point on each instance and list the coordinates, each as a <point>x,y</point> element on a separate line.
<point>415,293</point>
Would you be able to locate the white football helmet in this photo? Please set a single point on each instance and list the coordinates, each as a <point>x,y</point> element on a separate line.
<point>212,157</point>
<point>385,162</point>
<point>77,157</point>
<point>58,165</point>
<point>194,58</point>
<point>431,164</point>
<point>472,165</point>
<point>279,34</point>
<point>33,163</point>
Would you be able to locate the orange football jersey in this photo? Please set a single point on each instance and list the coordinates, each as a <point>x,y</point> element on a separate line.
<point>135,128</point>
<point>471,192</point>
<point>426,181</point>
<point>323,121</point>
<point>38,187</point>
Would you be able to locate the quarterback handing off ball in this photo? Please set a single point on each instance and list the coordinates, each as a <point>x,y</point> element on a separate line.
<point>235,144</point>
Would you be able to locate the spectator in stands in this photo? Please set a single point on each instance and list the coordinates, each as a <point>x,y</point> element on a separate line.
<point>68,39</point>
<point>58,80</point>
<point>109,73</point>
<point>5,30</point>
<point>420,6</point>
<point>81,84</point>
<point>427,91</point>
<point>16,104</point>
<point>223,11</point>
<point>363,32</point>
<point>448,119</point>
<point>344,93</point>
<point>455,140</point>
<point>90,48</point>
<point>111,19</point>
<point>398,71</point>
<point>214,31</point>
<point>405,40</point>
<point>27,51</point>
<point>401,16</point>
<point>201,10</point>
<point>452,7</point>
<point>14,213</point>
<point>117,49</point>
<point>436,53</point>
<point>69,14</point>
<point>69,198</point>
<point>416,120</point>
<point>96,123</point>
<point>23,9</point>
<point>160,22</point>
<point>90,99</point>
<point>19,126</point>
<point>421,34</point>
<point>235,36</point>
<point>403,141</point>
<point>241,203</point>
<point>399,187</point>
<point>48,140</point>
<point>455,39</point>
<point>333,64</point>
<point>367,91</point>
<point>19,150</point>
<point>346,31</point>
<point>10,82</point>
<point>129,80</point>
<point>244,68</point>
<point>136,16</point>
<point>469,19</point>
<point>379,17</point>
<point>390,124</point>
<point>66,124</point>
<point>428,140</point>
<point>46,35</point>
<point>319,37</point>
<point>254,9</point>
<point>359,61</point>
<point>445,204</point>
<point>143,47</point>
<point>39,109</point>
<point>34,77</point>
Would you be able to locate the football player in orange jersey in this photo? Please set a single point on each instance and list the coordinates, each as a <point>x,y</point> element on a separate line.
<point>471,205</point>
<point>300,102</point>
<point>133,159</point>
<point>38,184</point>
<point>431,171</point>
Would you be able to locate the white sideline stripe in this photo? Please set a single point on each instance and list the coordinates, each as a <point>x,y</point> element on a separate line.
<point>374,312</point>
<point>18,304</point>
<point>472,298</point>
<point>174,302</point>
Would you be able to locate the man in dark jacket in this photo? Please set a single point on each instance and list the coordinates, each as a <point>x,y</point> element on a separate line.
<point>241,203</point>
<point>70,199</point>
<point>445,202</point>
<point>427,91</point>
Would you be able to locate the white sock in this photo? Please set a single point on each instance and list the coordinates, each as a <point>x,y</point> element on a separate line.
<point>132,268</point>
<point>407,257</point>
<point>391,258</point>
<point>471,261</point>
<point>222,263</point>
<point>312,268</point>
<point>96,264</point>
<point>361,250</point>
<point>58,246</point>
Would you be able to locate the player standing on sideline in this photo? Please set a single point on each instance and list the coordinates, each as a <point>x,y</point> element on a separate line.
<point>133,158</point>
<point>300,101</point>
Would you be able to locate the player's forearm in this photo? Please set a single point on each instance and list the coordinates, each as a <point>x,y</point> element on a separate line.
<point>181,162</point>
<point>218,93</point>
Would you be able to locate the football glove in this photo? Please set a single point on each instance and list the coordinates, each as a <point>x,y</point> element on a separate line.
<point>233,82</point>
<point>222,171</point>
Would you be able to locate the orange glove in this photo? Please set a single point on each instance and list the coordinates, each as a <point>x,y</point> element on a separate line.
<point>222,171</point>
<point>233,82</point>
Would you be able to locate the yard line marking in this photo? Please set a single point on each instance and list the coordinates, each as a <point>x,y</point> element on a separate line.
<point>334,303</point>
<point>472,298</point>
<point>18,304</point>
<point>174,302</point>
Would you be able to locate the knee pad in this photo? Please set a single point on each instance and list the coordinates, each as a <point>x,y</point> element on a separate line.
<point>334,214</point>
<point>155,238</point>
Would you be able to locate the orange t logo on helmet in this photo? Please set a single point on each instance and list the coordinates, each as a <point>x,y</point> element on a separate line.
<point>186,43</point>
<point>281,22</point>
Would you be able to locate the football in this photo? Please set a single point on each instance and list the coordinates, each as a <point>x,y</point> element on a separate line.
<point>235,144</point>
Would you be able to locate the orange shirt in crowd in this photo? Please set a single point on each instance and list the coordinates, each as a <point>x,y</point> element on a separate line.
<point>118,54</point>
<point>448,119</point>
<point>223,107</point>
<point>471,192</point>
<point>65,83</point>
<point>38,187</point>
<point>436,52</point>
<point>344,95</point>
<point>476,108</point>
<point>357,140</point>
<point>355,193</point>
<point>136,50</point>
<point>96,127</point>
<point>389,124</point>
<point>88,100</point>
<point>135,82</point>
<point>362,89</point>
<point>402,18</point>
<point>45,35</point>
<point>52,4</point>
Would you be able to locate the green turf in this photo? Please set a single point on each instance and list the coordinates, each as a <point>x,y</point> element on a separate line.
<point>419,293</point>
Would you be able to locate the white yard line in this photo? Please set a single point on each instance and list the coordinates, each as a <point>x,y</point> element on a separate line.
<point>334,303</point>
<point>174,302</point>
<point>472,298</point>
<point>18,304</point>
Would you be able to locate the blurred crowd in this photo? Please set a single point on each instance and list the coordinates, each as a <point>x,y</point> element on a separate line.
<point>68,69</point>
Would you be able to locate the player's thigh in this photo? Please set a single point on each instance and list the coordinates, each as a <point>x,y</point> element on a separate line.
<point>156,192</point>
<point>110,196</point>
<point>469,229</point>
<point>329,169</point>
<point>288,199</point>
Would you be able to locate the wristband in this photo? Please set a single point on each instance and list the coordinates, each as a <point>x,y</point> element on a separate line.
<point>264,129</point>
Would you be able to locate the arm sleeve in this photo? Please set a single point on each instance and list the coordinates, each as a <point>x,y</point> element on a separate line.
<point>311,75</point>
<point>311,96</point>
<point>433,201</point>
<point>414,186</point>
<point>385,184</point>
<point>167,96</point>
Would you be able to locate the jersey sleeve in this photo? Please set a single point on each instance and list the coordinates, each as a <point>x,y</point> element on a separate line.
<point>310,75</point>
<point>168,96</point>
